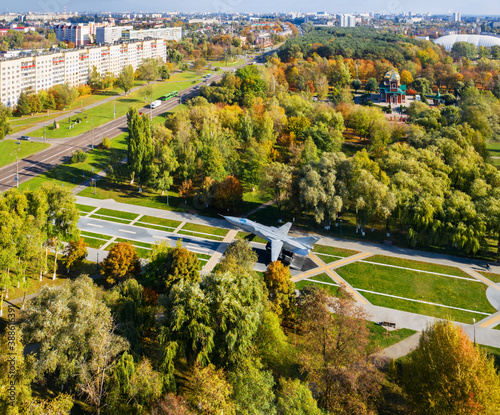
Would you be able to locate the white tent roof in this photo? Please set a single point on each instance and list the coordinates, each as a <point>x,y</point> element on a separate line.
<point>479,40</point>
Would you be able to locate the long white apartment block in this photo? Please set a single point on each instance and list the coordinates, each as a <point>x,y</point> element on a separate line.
<point>42,71</point>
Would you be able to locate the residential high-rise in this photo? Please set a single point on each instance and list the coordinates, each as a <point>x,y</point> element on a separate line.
<point>347,20</point>
<point>457,17</point>
<point>40,71</point>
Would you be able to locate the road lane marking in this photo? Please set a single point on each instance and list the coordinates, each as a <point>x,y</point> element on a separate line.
<point>124,230</point>
<point>96,226</point>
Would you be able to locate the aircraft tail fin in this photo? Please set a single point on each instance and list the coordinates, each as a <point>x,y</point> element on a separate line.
<point>285,228</point>
<point>308,240</point>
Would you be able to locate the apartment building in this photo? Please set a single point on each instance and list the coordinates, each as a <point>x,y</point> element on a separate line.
<point>112,34</point>
<point>79,34</point>
<point>41,71</point>
<point>347,20</point>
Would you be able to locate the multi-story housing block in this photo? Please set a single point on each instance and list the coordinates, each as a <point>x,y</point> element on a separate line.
<point>41,71</point>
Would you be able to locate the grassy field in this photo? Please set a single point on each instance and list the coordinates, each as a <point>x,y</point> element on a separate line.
<point>84,208</point>
<point>9,148</point>
<point>94,240</point>
<point>335,252</point>
<point>105,112</point>
<point>152,222</point>
<point>330,286</point>
<point>114,215</point>
<point>491,276</point>
<point>448,291</point>
<point>382,338</point>
<point>202,231</point>
<point>423,266</point>
<point>73,174</point>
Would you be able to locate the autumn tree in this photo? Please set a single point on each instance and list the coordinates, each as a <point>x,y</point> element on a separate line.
<point>186,189</point>
<point>228,193</point>
<point>280,288</point>
<point>75,253</point>
<point>447,374</point>
<point>169,404</point>
<point>210,392</point>
<point>122,262</point>
<point>167,266</point>
<point>334,352</point>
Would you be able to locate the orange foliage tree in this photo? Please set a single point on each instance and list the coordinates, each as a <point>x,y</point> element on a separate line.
<point>121,262</point>
<point>228,193</point>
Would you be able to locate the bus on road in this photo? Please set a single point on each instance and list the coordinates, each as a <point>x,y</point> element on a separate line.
<point>170,95</point>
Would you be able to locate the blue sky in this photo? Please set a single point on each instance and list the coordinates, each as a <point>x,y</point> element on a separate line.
<point>490,7</point>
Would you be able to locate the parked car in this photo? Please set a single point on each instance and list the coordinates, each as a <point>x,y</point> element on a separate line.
<point>25,137</point>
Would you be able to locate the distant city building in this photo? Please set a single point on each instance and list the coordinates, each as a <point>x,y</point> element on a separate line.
<point>457,17</point>
<point>391,90</point>
<point>347,20</point>
<point>263,40</point>
<point>110,34</point>
<point>167,33</point>
<point>79,34</point>
<point>41,71</point>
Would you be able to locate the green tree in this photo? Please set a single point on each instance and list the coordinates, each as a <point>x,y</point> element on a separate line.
<point>465,50</point>
<point>75,329</point>
<point>295,398</point>
<point>125,80</point>
<point>148,70</point>
<point>371,85</point>
<point>140,146</point>
<point>95,80</point>
<point>23,106</point>
<point>122,262</point>
<point>277,178</point>
<point>61,216</point>
<point>5,114</point>
<point>252,389</point>
<point>239,255</point>
<point>447,374</point>
<point>164,72</point>
<point>356,84</point>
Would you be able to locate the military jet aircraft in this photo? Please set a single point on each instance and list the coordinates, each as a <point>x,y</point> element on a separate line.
<point>278,237</point>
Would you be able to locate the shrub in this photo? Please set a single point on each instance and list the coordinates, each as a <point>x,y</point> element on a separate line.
<point>78,156</point>
<point>106,143</point>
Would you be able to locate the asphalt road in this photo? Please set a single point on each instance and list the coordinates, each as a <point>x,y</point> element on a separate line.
<point>61,149</point>
<point>151,236</point>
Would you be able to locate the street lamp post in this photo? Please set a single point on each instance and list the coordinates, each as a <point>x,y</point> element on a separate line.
<point>92,134</point>
<point>114,108</point>
<point>474,320</point>
<point>17,163</point>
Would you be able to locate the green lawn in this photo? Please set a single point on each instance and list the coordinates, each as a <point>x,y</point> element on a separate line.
<point>380,338</point>
<point>95,240</point>
<point>424,309</point>
<point>424,266</point>
<point>433,288</point>
<point>105,112</point>
<point>491,276</point>
<point>84,208</point>
<point>202,231</point>
<point>316,280</point>
<point>9,148</point>
<point>250,237</point>
<point>73,174</point>
<point>114,215</point>
<point>330,250</point>
<point>153,222</point>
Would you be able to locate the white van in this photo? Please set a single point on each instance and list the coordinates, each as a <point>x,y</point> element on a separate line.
<point>155,104</point>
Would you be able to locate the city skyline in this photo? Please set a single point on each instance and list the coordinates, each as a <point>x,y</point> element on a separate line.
<point>484,7</point>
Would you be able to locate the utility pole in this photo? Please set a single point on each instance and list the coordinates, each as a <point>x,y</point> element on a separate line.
<point>44,133</point>
<point>114,108</point>
<point>92,134</point>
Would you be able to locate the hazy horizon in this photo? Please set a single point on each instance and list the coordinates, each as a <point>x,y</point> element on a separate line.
<point>481,7</point>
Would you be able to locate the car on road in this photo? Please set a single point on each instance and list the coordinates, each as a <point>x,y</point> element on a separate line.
<point>155,104</point>
<point>25,137</point>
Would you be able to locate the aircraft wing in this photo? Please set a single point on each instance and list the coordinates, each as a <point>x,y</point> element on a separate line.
<point>276,246</point>
<point>285,228</point>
